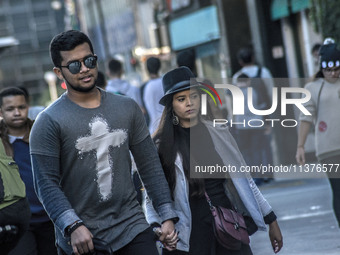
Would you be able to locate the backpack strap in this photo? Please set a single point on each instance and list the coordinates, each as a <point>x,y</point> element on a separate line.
<point>259,71</point>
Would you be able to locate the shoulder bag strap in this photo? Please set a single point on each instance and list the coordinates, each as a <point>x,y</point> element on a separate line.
<point>208,200</point>
<point>318,102</point>
<point>212,207</point>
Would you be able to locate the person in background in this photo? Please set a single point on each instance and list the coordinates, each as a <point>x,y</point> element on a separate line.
<point>33,111</point>
<point>249,139</point>
<point>15,129</point>
<point>181,124</point>
<point>153,92</point>
<point>323,105</point>
<point>101,80</point>
<point>80,149</point>
<point>316,57</point>
<point>117,85</point>
<point>15,212</point>
<point>246,59</point>
<point>187,58</point>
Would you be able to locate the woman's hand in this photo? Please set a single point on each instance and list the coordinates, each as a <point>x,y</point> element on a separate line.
<point>275,236</point>
<point>300,155</point>
<point>170,241</point>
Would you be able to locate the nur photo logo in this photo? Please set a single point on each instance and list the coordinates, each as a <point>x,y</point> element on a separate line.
<point>240,102</point>
<point>204,97</point>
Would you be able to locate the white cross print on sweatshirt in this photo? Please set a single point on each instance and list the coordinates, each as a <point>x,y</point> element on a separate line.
<point>100,139</point>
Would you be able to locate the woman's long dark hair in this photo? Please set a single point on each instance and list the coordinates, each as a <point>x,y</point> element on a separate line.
<point>318,75</point>
<point>170,142</point>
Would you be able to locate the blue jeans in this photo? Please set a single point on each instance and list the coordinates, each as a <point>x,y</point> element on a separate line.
<point>334,180</point>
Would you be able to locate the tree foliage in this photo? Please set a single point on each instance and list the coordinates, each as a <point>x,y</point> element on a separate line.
<point>325,15</point>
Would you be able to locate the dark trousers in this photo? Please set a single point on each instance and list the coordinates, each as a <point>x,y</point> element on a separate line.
<point>17,214</point>
<point>39,239</point>
<point>245,250</point>
<point>202,238</point>
<point>334,180</point>
<point>251,144</point>
<point>143,244</point>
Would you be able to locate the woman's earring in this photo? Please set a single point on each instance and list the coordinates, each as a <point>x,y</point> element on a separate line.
<point>175,119</point>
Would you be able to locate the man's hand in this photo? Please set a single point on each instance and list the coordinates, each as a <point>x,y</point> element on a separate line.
<point>81,241</point>
<point>168,235</point>
<point>275,236</point>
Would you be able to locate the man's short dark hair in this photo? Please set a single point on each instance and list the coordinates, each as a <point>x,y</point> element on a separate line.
<point>12,91</point>
<point>67,41</point>
<point>115,66</point>
<point>186,58</point>
<point>246,55</point>
<point>153,65</point>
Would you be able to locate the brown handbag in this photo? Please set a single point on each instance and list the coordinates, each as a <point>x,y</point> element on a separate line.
<point>229,227</point>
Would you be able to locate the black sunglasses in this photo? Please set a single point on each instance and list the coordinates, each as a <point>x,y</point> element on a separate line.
<point>75,66</point>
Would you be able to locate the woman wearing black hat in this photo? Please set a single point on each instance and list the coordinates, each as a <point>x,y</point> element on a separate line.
<point>324,105</point>
<point>185,140</point>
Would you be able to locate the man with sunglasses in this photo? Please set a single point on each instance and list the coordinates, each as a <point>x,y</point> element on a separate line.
<point>80,150</point>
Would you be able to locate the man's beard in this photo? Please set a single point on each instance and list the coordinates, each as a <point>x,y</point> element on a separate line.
<point>79,88</point>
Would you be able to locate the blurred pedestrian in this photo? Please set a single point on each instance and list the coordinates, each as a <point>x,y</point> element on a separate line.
<point>80,150</point>
<point>15,129</point>
<point>260,75</point>
<point>323,105</point>
<point>316,57</point>
<point>181,124</point>
<point>153,92</point>
<point>101,80</point>
<point>249,139</point>
<point>14,208</point>
<point>187,58</point>
<point>117,85</point>
<point>33,111</point>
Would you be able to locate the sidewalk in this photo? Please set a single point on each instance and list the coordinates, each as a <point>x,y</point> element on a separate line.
<point>305,215</point>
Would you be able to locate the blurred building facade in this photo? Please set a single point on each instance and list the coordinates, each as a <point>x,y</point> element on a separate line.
<point>33,23</point>
<point>279,31</point>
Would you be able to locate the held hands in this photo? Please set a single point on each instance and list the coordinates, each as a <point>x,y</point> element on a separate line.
<point>168,235</point>
<point>81,241</point>
<point>275,236</point>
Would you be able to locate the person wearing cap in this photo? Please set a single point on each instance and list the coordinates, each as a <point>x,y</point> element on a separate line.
<point>325,99</point>
<point>184,140</point>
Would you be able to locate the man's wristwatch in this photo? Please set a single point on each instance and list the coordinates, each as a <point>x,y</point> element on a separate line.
<point>70,229</point>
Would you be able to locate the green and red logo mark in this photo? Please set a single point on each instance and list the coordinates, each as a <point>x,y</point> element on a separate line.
<point>204,97</point>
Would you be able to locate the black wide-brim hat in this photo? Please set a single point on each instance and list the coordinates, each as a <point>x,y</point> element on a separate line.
<point>177,80</point>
